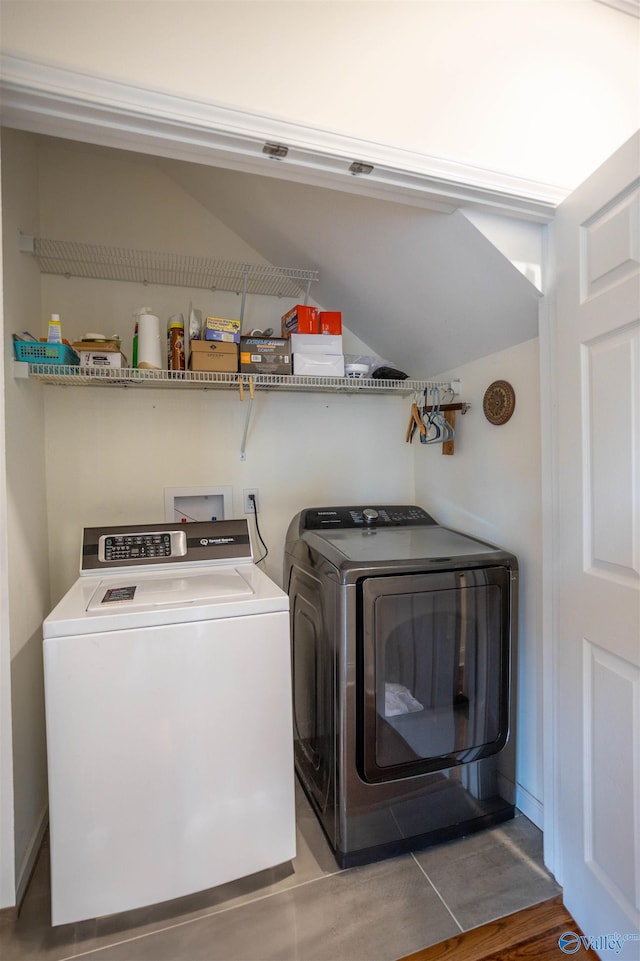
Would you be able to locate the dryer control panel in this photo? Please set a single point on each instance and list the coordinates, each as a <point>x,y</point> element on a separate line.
<point>348,518</point>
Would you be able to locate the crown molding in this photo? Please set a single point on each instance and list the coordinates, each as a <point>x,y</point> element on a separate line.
<point>41,98</point>
<point>632,7</point>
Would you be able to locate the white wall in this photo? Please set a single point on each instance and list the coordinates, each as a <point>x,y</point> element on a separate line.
<point>26,531</point>
<point>540,89</point>
<point>7,841</point>
<point>521,243</point>
<point>491,488</point>
<point>110,453</point>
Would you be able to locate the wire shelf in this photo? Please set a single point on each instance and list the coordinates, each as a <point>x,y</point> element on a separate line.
<point>99,262</point>
<point>203,380</point>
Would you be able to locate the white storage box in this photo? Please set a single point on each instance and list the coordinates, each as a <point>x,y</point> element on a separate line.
<point>318,365</point>
<point>316,344</point>
<point>97,358</point>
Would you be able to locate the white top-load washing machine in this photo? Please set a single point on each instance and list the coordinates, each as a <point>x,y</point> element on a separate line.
<point>168,711</point>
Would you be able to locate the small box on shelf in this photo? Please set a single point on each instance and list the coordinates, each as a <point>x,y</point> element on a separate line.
<point>265,355</point>
<point>301,319</point>
<point>214,355</point>
<point>222,329</point>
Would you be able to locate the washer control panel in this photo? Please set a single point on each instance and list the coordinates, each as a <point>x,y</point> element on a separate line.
<point>348,518</point>
<point>150,546</point>
<point>133,547</point>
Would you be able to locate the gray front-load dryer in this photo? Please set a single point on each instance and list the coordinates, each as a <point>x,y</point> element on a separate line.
<point>403,649</point>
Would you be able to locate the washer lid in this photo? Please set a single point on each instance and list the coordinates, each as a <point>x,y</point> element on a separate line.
<point>127,600</point>
<point>397,544</point>
<point>128,592</point>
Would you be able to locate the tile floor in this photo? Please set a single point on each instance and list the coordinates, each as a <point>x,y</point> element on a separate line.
<point>308,910</point>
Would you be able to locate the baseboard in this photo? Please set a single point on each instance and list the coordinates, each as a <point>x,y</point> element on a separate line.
<point>9,915</point>
<point>29,860</point>
<point>530,806</point>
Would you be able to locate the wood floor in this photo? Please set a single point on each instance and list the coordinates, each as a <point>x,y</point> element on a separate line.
<point>529,935</point>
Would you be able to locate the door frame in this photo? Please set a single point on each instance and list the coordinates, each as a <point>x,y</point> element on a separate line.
<point>7,839</point>
<point>549,496</point>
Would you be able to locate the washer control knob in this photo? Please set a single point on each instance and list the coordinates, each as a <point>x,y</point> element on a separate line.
<point>370,515</point>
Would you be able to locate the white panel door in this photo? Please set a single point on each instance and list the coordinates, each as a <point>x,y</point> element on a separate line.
<point>597,554</point>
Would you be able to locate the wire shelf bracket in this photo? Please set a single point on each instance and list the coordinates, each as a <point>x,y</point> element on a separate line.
<point>135,378</point>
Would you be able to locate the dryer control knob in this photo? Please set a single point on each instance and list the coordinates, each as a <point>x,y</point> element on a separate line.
<point>370,515</point>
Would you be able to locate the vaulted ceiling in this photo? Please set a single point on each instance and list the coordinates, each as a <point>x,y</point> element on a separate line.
<point>410,282</point>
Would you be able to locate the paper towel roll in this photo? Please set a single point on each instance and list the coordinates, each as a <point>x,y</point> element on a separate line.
<point>151,344</point>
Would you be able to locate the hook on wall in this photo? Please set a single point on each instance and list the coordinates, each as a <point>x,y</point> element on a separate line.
<point>436,419</point>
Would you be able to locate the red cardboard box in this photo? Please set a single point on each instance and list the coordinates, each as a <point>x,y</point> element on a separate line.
<point>301,319</point>
<point>330,322</point>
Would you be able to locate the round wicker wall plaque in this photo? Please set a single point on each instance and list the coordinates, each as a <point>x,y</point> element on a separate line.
<point>499,402</point>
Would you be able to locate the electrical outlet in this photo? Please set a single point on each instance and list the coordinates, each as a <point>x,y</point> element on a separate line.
<point>248,504</point>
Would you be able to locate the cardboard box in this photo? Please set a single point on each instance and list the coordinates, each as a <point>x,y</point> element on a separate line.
<point>330,322</point>
<point>316,343</point>
<point>318,365</point>
<point>101,358</point>
<point>265,355</point>
<point>222,329</point>
<point>301,319</point>
<point>100,346</point>
<point>214,355</point>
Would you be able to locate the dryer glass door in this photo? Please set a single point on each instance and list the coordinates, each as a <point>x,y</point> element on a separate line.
<point>434,689</point>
